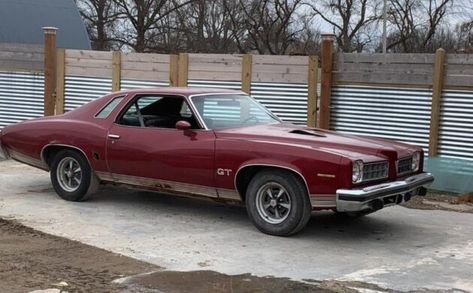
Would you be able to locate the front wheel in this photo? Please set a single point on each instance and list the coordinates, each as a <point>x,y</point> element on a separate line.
<point>277,203</point>
<point>71,176</point>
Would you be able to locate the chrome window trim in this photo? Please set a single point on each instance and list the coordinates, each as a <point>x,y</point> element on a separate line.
<point>186,99</point>
<point>109,102</point>
<point>206,94</point>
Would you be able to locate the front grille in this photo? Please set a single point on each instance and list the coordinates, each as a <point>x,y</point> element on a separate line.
<point>404,165</point>
<point>373,171</point>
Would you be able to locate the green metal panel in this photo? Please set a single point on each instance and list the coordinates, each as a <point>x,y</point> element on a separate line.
<point>453,175</point>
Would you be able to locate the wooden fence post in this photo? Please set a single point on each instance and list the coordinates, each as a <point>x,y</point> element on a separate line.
<point>173,70</point>
<point>326,81</point>
<point>246,73</point>
<point>49,69</point>
<point>312,91</point>
<point>183,69</point>
<point>437,87</point>
<point>116,71</point>
<point>60,80</point>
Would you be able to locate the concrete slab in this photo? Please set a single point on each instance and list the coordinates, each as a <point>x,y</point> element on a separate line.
<point>396,248</point>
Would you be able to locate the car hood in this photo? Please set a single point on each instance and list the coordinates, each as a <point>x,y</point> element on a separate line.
<point>351,146</point>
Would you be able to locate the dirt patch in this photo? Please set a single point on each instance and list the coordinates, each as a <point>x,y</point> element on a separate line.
<point>210,281</point>
<point>440,201</point>
<point>31,260</point>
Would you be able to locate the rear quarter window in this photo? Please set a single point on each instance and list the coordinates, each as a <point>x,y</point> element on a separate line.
<point>109,108</point>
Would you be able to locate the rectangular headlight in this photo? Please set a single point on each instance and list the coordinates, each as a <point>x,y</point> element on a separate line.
<point>415,162</point>
<point>357,172</point>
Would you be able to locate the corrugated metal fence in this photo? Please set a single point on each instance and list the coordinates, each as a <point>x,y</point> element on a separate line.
<point>456,124</point>
<point>80,90</point>
<point>21,96</point>
<point>371,107</point>
<point>404,114</point>
<point>287,100</point>
<point>397,113</point>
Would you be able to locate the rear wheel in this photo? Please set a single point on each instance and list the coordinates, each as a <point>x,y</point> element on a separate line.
<point>71,176</point>
<point>277,203</point>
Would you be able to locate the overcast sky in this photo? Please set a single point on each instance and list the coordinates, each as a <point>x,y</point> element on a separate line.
<point>461,11</point>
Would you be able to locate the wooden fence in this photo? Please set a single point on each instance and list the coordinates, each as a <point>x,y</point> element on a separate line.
<point>178,70</point>
<point>435,73</point>
<point>21,57</point>
<point>413,70</point>
<point>341,77</point>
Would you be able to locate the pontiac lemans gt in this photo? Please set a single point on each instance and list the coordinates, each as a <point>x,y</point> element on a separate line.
<point>218,144</point>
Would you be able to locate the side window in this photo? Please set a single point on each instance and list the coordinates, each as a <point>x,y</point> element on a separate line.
<point>185,111</point>
<point>146,101</point>
<point>157,111</point>
<point>109,108</point>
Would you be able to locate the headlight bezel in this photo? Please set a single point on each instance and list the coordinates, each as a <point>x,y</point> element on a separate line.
<point>416,158</point>
<point>357,171</point>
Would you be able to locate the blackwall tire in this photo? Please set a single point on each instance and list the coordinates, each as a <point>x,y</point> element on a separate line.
<point>72,176</point>
<point>277,202</point>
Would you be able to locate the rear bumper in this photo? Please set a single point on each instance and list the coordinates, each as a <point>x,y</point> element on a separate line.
<point>3,153</point>
<point>386,194</point>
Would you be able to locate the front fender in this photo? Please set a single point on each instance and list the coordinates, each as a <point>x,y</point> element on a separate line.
<point>321,171</point>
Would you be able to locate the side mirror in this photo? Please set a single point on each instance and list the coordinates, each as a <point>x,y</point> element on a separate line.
<point>183,125</point>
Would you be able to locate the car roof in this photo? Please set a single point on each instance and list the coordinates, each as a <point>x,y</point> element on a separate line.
<point>184,91</point>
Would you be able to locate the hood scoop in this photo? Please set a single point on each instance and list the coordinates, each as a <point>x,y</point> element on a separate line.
<point>307,132</point>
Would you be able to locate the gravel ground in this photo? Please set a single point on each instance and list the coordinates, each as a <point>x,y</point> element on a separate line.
<point>436,200</point>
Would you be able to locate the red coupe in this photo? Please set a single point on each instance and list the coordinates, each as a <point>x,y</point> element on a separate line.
<point>218,144</point>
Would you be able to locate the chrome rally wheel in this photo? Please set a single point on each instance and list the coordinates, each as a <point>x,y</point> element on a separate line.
<point>69,174</point>
<point>277,202</point>
<point>72,176</point>
<point>273,203</point>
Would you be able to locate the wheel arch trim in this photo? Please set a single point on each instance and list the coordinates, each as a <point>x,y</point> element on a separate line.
<point>43,159</point>
<point>269,165</point>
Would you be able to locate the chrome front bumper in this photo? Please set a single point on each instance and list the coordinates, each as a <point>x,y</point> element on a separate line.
<point>386,194</point>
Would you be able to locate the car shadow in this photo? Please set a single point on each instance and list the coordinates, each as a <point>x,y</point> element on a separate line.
<point>322,225</point>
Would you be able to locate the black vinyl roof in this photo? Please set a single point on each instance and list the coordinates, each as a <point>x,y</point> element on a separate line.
<point>21,21</point>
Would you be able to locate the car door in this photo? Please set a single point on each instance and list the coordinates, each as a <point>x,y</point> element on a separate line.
<point>144,148</point>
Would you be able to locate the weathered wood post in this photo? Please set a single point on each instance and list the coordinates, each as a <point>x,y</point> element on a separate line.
<point>60,80</point>
<point>246,71</point>
<point>49,69</point>
<point>116,71</point>
<point>326,80</point>
<point>173,70</point>
<point>312,91</point>
<point>183,69</point>
<point>437,87</point>
<point>246,75</point>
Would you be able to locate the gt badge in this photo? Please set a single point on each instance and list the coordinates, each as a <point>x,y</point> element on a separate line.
<point>224,172</point>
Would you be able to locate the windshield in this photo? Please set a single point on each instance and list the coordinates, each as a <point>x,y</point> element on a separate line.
<point>233,110</point>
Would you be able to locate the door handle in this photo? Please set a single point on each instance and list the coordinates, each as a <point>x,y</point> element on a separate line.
<point>113,136</point>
